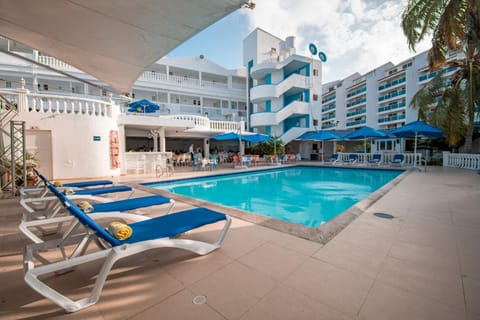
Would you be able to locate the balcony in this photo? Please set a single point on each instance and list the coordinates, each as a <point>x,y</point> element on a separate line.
<point>397,105</point>
<point>356,102</point>
<point>355,113</point>
<point>356,122</point>
<point>392,95</point>
<point>330,116</point>
<point>392,118</point>
<point>358,91</point>
<point>261,119</point>
<point>328,126</point>
<point>328,108</point>
<point>329,99</point>
<point>392,84</point>
<point>293,84</point>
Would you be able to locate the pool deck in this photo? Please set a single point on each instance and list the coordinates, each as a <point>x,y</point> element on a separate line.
<point>423,264</point>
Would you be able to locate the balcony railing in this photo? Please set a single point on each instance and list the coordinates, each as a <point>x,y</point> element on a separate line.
<point>394,118</point>
<point>356,102</point>
<point>391,84</point>
<point>330,107</point>
<point>358,91</point>
<point>362,111</point>
<point>392,107</point>
<point>331,116</point>
<point>357,122</point>
<point>329,99</point>
<point>392,95</point>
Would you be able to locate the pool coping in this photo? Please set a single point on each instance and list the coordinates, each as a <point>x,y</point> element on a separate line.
<point>321,234</point>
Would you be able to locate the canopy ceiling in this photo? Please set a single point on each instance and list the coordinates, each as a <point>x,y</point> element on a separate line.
<point>115,41</point>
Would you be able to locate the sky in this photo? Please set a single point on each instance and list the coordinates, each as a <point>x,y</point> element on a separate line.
<point>356,35</point>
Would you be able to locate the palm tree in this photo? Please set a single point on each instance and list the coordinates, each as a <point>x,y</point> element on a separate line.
<point>455,26</point>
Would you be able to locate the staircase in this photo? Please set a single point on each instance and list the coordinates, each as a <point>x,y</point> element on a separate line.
<point>13,173</point>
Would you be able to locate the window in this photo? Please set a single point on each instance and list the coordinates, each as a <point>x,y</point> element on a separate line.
<point>315,72</point>
<point>315,97</point>
<point>45,87</point>
<point>315,122</point>
<point>8,84</point>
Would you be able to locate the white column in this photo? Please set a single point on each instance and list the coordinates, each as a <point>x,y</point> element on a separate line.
<point>163,141</point>
<point>22,97</point>
<point>122,147</point>
<point>206,148</point>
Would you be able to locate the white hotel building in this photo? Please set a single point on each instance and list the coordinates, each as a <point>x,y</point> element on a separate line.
<point>69,124</point>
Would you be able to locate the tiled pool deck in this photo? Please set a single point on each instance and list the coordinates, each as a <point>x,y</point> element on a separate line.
<point>423,264</point>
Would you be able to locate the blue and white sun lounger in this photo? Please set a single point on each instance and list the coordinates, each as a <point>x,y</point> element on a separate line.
<point>397,160</point>
<point>42,191</point>
<point>352,158</point>
<point>146,234</point>
<point>333,159</point>
<point>86,184</point>
<point>48,206</point>
<point>376,159</point>
<point>52,223</point>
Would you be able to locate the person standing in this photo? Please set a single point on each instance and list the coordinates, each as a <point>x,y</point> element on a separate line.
<point>190,150</point>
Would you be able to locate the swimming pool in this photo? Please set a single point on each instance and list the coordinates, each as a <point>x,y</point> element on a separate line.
<point>309,196</point>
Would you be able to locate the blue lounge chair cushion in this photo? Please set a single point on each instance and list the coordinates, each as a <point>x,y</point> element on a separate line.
<point>84,184</point>
<point>130,204</point>
<point>103,190</point>
<point>173,224</point>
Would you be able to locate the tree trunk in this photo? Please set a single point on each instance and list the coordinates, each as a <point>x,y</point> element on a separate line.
<point>468,139</point>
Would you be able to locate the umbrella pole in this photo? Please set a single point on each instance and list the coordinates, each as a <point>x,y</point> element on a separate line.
<point>415,150</point>
<point>365,151</point>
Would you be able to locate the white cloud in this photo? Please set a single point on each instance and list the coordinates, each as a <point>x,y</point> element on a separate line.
<point>356,35</point>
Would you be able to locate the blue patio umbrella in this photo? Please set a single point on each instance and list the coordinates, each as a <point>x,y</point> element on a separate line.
<point>256,138</point>
<point>143,105</point>
<point>253,138</point>
<point>365,133</point>
<point>227,136</point>
<point>321,135</point>
<point>416,129</point>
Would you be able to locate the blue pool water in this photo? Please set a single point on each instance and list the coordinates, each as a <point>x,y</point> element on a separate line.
<point>304,195</point>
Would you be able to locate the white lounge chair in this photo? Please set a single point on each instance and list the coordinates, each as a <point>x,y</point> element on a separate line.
<point>375,160</point>
<point>147,234</point>
<point>398,160</point>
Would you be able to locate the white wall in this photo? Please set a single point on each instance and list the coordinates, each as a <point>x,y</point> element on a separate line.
<point>75,154</point>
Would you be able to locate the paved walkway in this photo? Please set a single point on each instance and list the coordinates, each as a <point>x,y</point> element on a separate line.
<point>423,264</point>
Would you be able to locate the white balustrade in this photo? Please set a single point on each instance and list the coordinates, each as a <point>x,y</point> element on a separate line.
<point>57,104</point>
<point>461,160</point>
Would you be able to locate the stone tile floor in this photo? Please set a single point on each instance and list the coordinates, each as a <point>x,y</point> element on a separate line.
<point>423,264</point>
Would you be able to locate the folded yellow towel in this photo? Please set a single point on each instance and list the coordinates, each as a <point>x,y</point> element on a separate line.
<point>85,206</point>
<point>119,230</point>
<point>68,191</point>
<point>57,184</point>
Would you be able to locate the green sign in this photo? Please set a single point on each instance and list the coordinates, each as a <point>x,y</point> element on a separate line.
<point>97,138</point>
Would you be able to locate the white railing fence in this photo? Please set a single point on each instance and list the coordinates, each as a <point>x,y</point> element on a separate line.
<point>461,160</point>
<point>57,104</point>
